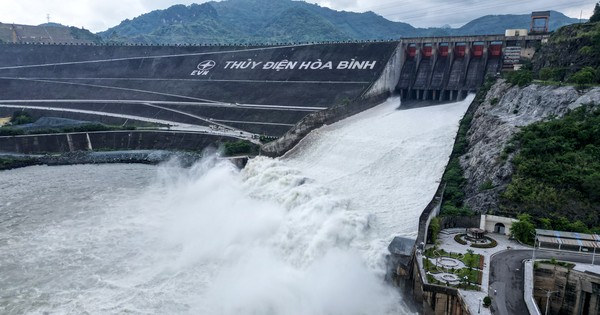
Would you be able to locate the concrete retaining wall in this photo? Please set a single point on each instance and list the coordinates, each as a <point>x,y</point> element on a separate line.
<point>112,140</point>
<point>215,82</point>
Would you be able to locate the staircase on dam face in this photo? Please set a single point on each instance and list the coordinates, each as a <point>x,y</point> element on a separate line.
<point>448,68</point>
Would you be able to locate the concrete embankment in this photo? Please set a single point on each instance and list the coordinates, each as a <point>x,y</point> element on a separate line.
<point>185,159</point>
<point>110,140</point>
<point>264,89</point>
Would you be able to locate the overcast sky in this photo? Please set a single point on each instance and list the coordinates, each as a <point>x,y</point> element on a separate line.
<point>99,15</point>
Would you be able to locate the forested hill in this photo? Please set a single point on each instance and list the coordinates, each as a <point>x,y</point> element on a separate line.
<point>264,21</point>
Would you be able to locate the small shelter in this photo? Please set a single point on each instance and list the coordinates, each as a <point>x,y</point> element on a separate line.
<point>475,234</point>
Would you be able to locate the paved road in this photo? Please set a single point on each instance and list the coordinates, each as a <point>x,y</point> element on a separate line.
<point>174,126</point>
<point>199,102</point>
<point>507,277</point>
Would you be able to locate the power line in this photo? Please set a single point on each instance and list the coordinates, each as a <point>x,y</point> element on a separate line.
<point>407,11</point>
<point>445,11</point>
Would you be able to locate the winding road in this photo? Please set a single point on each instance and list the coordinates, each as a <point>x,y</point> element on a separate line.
<point>507,277</point>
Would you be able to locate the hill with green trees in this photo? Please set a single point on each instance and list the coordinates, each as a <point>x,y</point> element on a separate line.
<point>572,54</point>
<point>267,21</point>
<point>557,172</point>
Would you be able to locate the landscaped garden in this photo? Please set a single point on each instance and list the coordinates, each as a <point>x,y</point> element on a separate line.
<point>453,269</point>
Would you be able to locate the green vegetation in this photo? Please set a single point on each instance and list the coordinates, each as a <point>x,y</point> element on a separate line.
<point>557,174</point>
<point>521,77</point>
<point>523,230</point>
<point>487,185</point>
<point>267,21</point>
<point>555,262</point>
<point>239,147</point>
<point>434,228</point>
<point>7,162</point>
<point>454,178</point>
<point>553,74</point>
<point>11,131</point>
<point>470,277</point>
<point>585,76</point>
<point>458,239</point>
<point>572,55</point>
<point>493,243</point>
<point>21,118</point>
<point>487,301</point>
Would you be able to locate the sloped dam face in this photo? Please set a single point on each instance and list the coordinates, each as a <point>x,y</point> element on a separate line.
<point>263,90</point>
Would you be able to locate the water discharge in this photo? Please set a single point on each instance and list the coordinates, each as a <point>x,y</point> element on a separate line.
<point>301,235</point>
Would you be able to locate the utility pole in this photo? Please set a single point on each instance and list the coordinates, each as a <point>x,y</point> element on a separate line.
<point>548,300</point>
<point>48,17</point>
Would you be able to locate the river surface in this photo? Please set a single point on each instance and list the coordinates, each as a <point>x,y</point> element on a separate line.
<point>305,234</point>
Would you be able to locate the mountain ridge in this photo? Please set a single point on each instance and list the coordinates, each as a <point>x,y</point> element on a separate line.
<point>252,21</point>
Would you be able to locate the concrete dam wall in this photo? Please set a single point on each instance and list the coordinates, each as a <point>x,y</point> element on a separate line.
<point>109,140</point>
<point>263,90</point>
<point>280,91</point>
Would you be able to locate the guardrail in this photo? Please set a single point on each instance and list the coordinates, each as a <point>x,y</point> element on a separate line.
<point>528,290</point>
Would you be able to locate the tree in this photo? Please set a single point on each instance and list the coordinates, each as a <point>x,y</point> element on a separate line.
<point>586,75</point>
<point>487,301</point>
<point>435,228</point>
<point>596,16</point>
<point>521,77</point>
<point>523,230</point>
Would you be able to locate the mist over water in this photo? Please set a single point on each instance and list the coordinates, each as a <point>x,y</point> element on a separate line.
<point>204,240</point>
<point>302,235</point>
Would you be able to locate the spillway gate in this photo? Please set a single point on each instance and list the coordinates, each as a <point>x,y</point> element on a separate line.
<point>448,68</point>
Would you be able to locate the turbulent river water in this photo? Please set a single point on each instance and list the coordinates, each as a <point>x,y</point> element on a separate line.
<point>305,234</point>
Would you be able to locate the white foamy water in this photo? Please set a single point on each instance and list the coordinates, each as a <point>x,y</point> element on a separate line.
<point>388,162</point>
<point>302,235</point>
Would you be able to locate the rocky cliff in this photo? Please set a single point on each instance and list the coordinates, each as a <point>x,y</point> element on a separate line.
<point>505,109</point>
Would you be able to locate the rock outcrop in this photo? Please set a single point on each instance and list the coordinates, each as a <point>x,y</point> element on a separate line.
<point>506,108</point>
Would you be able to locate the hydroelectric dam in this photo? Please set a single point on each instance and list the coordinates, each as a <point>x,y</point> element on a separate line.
<point>194,93</point>
<point>280,236</point>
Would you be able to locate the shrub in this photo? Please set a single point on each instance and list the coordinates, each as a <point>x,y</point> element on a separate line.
<point>434,228</point>
<point>20,118</point>
<point>584,76</point>
<point>487,185</point>
<point>7,131</point>
<point>586,50</point>
<point>239,147</point>
<point>492,244</point>
<point>458,239</point>
<point>546,74</point>
<point>521,77</point>
<point>487,301</point>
